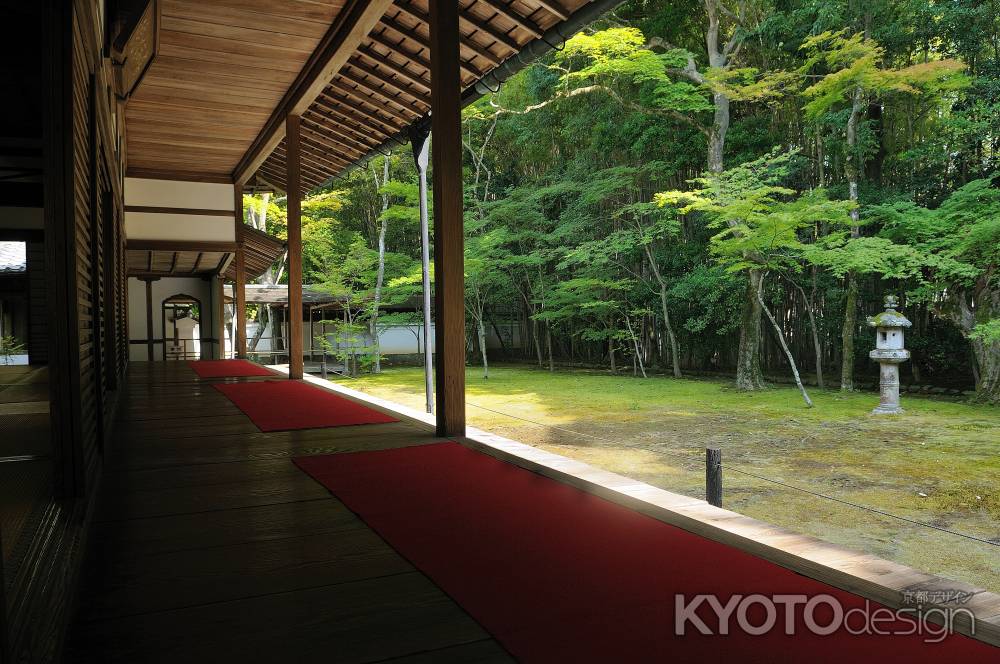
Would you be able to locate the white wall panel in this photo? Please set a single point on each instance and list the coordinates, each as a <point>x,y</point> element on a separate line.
<point>178,194</point>
<point>183,227</point>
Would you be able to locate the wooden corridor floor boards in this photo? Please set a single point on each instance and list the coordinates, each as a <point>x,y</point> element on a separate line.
<point>209,545</point>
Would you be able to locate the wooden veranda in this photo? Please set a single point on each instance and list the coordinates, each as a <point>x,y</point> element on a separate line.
<point>205,529</point>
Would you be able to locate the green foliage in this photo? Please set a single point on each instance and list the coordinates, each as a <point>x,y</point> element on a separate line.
<point>958,241</point>
<point>563,224</point>
<point>759,221</point>
<point>988,332</point>
<point>853,64</point>
<point>10,346</point>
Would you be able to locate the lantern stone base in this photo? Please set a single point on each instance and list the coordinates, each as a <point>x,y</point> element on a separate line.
<point>887,410</point>
<point>889,380</point>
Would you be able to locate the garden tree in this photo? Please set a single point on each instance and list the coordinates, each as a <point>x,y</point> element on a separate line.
<point>524,245</point>
<point>540,152</point>
<point>9,347</point>
<point>853,73</point>
<point>405,291</point>
<point>593,307</point>
<point>349,282</point>
<point>482,281</point>
<point>258,211</point>
<point>611,199</point>
<point>959,245</point>
<point>760,222</point>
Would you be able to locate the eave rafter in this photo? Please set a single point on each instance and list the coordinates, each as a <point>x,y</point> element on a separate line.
<point>380,83</point>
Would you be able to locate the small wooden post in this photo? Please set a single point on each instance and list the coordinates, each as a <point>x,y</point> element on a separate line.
<point>713,476</point>
<point>239,339</point>
<point>296,356</point>
<point>449,258</point>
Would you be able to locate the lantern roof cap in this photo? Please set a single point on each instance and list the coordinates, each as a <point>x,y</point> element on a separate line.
<point>890,317</point>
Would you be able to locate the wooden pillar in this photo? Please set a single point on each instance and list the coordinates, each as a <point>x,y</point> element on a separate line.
<point>150,354</point>
<point>219,295</point>
<point>294,206</point>
<point>449,277</point>
<point>239,283</point>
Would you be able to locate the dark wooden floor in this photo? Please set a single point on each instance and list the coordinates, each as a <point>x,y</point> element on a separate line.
<point>210,545</point>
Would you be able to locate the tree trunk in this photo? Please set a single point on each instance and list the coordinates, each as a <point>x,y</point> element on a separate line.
<point>817,346</point>
<point>988,358</point>
<point>263,318</point>
<point>611,355</point>
<point>847,334</point>
<point>748,374</point>
<point>674,351</point>
<point>548,345</point>
<point>784,347</point>
<point>985,307</point>
<point>635,342</point>
<point>482,346</point>
<point>851,304</point>
<point>538,343</point>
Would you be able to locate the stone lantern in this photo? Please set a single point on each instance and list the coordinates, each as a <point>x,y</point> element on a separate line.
<point>889,352</point>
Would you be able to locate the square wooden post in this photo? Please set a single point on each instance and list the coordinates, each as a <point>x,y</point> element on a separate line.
<point>239,339</point>
<point>219,314</point>
<point>449,260</point>
<point>294,187</point>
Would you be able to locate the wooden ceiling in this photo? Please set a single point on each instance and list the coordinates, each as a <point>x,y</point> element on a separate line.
<point>385,85</point>
<point>221,68</point>
<point>165,263</point>
<point>226,72</point>
<point>168,258</point>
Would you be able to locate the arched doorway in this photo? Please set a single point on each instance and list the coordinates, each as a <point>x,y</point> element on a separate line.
<point>181,327</point>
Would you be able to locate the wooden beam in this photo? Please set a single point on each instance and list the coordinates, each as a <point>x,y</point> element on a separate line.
<point>449,276</point>
<point>508,12</point>
<point>468,44</point>
<point>390,82</point>
<point>181,245</point>
<point>351,26</point>
<point>379,92</point>
<point>240,280</point>
<point>294,207</point>
<point>399,70</point>
<point>334,129</point>
<point>387,123</point>
<point>181,176</point>
<point>554,8</point>
<point>146,209</point>
<point>415,36</point>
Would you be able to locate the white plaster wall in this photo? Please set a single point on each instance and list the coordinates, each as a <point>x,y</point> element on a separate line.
<point>162,289</point>
<point>393,340</point>
<point>184,227</point>
<point>175,193</point>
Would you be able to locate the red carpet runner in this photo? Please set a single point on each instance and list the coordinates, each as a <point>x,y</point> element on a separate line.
<point>559,575</point>
<point>228,369</point>
<point>284,405</point>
